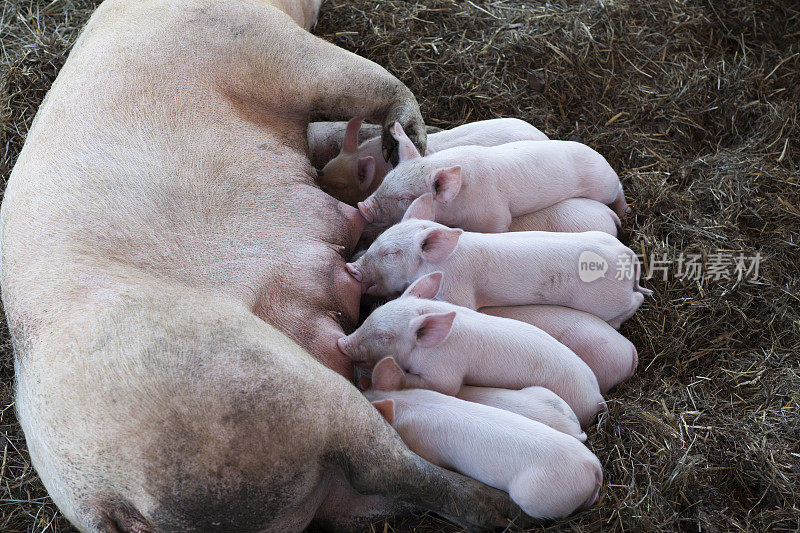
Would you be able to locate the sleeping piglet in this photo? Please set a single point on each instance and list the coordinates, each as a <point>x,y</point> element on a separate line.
<point>547,473</point>
<point>590,271</point>
<point>442,346</point>
<point>359,169</point>
<point>479,188</point>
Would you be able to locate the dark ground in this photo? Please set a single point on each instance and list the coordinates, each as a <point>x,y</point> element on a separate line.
<point>696,104</point>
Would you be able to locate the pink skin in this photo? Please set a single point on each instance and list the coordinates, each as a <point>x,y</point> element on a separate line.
<point>180,379</point>
<point>547,473</point>
<point>520,268</point>
<point>574,215</point>
<point>482,188</point>
<point>536,403</point>
<point>442,347</point>
<point>612,357</point>
<point>348,178</point>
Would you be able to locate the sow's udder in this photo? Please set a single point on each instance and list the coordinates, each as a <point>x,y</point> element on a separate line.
<point>309,295</point>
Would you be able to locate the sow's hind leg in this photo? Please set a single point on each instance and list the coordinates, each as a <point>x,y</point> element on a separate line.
<point>375,461</point>
<point>344,510</point>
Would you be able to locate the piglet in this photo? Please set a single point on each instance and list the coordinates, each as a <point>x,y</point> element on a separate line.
<point>590,271</point>
<point>612,357</point>
<point>442,346</point>
<point>480,188</point>
<point>573,215</point>
<point>547,473</point>
<point>536,403</point>
<point>325,139</point>
<point>360,168</point>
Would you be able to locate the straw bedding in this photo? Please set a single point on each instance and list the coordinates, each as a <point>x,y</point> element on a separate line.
<point>696,104</point>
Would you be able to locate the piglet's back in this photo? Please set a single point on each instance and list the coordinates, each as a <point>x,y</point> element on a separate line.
<point>485,133</point>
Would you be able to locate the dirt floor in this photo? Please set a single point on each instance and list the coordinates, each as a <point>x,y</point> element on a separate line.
<point>696,104</point>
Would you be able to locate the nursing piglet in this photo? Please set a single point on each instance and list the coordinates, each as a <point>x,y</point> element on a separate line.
<point>547,473</point>
<point>441,347</point>
<point>360,168</point>
<point>612,357</point>
<point>590,271</point>
<point>479,188</point>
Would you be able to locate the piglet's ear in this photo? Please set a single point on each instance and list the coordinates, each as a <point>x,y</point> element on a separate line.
<point>387,375</point>
<point>350,144</point>
<point>446,184</point>
<point>365,172</point>
<point>421,208</point>
<point>405,149</point>
<point>433,328</point>
<point>385,408</point>
<point>426,287</point>
<point>438,243</point>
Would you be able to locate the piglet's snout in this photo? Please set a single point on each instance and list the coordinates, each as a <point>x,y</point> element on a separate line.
<point>354,271</point>
<point>342,344</point>
<point>367,286</point>
<point>352,350</point>
<point>366,210</point>
<point>354,218</point>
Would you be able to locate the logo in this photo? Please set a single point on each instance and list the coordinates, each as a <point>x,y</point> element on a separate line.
<point>591,266</point>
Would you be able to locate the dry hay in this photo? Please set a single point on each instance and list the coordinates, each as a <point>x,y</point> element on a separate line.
<point>696,104</point>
